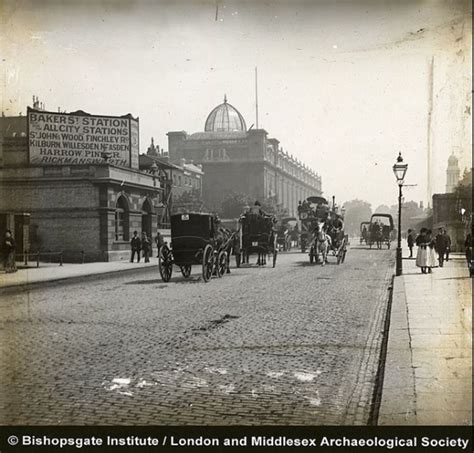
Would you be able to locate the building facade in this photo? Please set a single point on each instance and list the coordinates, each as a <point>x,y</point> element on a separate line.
<point>237,160</point>
<point>82,197</point>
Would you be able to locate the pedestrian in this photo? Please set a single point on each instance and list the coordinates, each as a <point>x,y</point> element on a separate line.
<point>422,252</point>
<point>441,244</point>
<point>9,251</point>
<point>411,242</point>
<point>159,241</point>
<point>146,247</point>
<point>135,244</point>
<point>448,247</point>
<point>432,262</point>
<point>468,248</point>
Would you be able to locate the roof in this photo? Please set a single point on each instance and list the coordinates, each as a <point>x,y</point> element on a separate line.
<point>225,118</point>
<point>160,162</point>
<point>231,135</point>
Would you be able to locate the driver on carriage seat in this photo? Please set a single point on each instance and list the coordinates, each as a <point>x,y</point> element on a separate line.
<point>257,208</point>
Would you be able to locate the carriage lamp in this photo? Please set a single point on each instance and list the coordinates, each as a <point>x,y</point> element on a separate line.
<point>399,170</point>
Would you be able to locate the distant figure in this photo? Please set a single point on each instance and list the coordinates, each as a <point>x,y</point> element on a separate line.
<point>411,242</point>
<point>159,241</point>
<point>9,251</point>
<point>422,254</point>
<point>257,208</point>
<point>468,248</point>
<point>432,261</point>
<point>135,244</point>
<point>146,247</point>
<point>448,240</point>
<point>441,245</point>
<point>364,235</point>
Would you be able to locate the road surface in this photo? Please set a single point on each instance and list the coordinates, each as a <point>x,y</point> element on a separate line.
<point>297,344</point>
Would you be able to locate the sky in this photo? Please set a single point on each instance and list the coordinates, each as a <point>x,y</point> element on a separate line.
<point>344,85</point>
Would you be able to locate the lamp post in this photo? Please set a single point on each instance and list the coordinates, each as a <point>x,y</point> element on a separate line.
<point>399,169</point>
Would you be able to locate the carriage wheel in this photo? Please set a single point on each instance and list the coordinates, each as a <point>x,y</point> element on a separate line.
<point>207,262</point>
<point>186,270</point>
<point>238,257</point>
<point>221,264</point>
<point>274,257</point>
<point>165,263</point>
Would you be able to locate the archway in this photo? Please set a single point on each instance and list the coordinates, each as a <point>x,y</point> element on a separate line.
<point>121,219</point>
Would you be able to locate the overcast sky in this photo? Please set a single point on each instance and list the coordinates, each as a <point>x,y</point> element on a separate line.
<point>344,85</point>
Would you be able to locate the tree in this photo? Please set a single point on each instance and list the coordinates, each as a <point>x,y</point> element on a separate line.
<point>357,211</point>
<point>383,209</point>
<point>270,205</point>
<point>233,205</point>
<point>190,200</point>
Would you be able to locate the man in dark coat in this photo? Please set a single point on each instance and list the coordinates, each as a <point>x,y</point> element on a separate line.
<point>441,244</point>
<point>411,242</point>
<point>136,245</point>
<point>448,248</point>
<point>146,247</point>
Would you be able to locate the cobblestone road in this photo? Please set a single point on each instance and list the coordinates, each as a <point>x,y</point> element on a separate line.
<point>297,344</point>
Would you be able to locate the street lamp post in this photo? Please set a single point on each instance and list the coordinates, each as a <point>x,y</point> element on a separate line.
<point>399,169</point>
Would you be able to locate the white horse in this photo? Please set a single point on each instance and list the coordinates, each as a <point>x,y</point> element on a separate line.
<point>322,243</point>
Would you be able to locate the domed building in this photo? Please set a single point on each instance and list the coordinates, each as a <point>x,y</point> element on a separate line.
<point>240,160</point>
<point>225,118</point>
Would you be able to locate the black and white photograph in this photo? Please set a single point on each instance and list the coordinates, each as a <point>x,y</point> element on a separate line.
<point>236,213</point>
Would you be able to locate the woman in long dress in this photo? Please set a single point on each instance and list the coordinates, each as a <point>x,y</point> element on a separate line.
<point>432,262</point>
<point>422,252</point>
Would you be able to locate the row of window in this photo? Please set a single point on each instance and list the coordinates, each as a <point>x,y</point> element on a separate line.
<point>186,181</point>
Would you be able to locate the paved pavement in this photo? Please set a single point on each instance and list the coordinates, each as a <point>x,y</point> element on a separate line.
<point>297,344</point>
<point>428,373</point>
<point>49,272</point>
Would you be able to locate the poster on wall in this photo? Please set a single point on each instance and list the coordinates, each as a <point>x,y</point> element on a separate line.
<point>80,139</point>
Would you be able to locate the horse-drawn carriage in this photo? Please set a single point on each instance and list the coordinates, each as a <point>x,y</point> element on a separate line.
<point>196,239</point>
<point>284,233</point>
<point>364,232</point>
<point>379,232</point>
<point>311,212</point>
<point>257,235</point>
<point>322,230</point>
<point>329,237</point>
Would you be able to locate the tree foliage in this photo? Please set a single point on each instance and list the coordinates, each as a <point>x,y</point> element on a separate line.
<point>190,200</point>
<point>233,205</point>
<point>357,211</point>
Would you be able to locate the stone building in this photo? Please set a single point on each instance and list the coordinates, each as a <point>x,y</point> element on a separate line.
<point>241,160</point>
<point>84,197</point>
<point>453,174</point>
<point>177,179</point>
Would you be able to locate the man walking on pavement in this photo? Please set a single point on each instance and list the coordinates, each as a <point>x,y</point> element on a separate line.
<point>136,245</point>
<point>441,244</point>
<point>448,247</point>
<point>146,247</point>
<point>411,242</point>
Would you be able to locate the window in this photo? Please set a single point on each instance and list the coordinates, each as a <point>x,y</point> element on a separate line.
<point>121,220</point>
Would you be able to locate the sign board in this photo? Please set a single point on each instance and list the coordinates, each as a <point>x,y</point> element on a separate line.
<point>81,139</point>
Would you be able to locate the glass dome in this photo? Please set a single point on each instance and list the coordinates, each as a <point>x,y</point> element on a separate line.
<point>225,118</point>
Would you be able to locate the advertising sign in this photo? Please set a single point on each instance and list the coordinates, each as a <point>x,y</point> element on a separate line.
<point>80,139</point>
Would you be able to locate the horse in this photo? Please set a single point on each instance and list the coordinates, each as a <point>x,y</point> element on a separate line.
<point>322,243</point>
